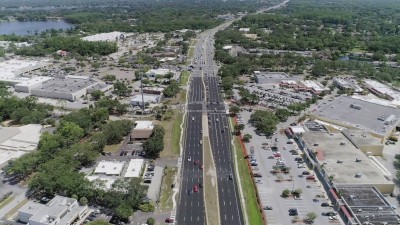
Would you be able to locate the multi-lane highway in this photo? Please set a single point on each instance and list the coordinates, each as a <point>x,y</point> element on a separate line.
<point>205,99</point>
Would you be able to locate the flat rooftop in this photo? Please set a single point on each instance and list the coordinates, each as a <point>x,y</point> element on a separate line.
<point>134,168</point>
<point>361,137</point>
<point>109,167</point>
<point>335,146</point>
<point>368,205</point>
<point>144,124</point>
<point>366,117</point>
<point>66,85</point>
<point>112,36</point>
<point>10,69</point>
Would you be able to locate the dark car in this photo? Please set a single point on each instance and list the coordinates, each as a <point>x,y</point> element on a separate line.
<point>298,159</point>
<point>257,175</point>
<point>230,177</point>
<point>200,185</point>
<point>268,208</point>
<point>122,153</point>
<point>325,204</point>
<point>293,212</point>
<point>329,214</point>
<point>169,220</point>
<point>270,157</point>
<point>306,173</point>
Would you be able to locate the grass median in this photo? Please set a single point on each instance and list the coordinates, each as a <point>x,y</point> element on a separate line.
<point>172,135</point>
<point>210,185</point>
<point>166,203</point>
<point>249,193</point>
<point>6,201</point>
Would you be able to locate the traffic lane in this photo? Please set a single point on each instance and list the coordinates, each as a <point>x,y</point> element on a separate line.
<point>230,213</point>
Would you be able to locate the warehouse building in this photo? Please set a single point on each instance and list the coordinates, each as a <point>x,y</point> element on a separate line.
<point>69,88</point>
<point>60,210</point>
<point>263,77</point>
<point>363,205</point>
<point>350,112</point>
<point>347,165</point>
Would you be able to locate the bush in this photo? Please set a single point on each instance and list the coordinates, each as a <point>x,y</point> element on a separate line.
<point>147,207</point>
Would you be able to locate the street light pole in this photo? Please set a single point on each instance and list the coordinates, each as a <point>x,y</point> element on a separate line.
<point>141,89</point>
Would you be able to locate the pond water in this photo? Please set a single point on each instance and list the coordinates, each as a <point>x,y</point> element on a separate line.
<point>29,28</point>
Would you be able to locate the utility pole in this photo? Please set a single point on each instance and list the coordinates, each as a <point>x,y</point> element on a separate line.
<point>141,89</point>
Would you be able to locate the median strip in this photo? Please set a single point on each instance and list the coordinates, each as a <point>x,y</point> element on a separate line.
<point>210,180</point>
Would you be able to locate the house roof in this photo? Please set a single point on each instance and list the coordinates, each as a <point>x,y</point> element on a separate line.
<point>141,133</point>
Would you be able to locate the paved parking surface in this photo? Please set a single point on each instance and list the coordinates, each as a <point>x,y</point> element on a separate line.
<point>270,189</point>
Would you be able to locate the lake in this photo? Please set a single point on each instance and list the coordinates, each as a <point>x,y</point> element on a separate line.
<point>29,28</point>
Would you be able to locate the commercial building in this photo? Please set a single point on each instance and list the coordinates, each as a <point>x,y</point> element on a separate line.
<point>347,84</point>
<point>365,205</point>
<point>340,159</point>
<point>69,88</point>
<point>244,29</point>
<point>136,100</point>
<point>110,37</point>
<point>60,210</point>
<point>367,143</point>
<point>383,91</point>
<point>314,87</point>
<point>153,90</point>
<point>16,141</point>
<point>13,71</point>
<point>157,72</point>
<point>134,168</point>
<point>28,85</point>
<point>142,130</point>
<point>350,112</point>
<point>109,168</point>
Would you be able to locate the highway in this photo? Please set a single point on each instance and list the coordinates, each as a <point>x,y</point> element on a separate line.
<point>204,97</point>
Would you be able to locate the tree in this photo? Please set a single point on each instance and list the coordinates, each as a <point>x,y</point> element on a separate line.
<point>151,221</point>
<point>264,121</point>
<point>155,144</point>
<point>297,192</point>
<point>282,114</point>
<point>83,201</point>
<point>234,109</point>
<point>247,137</point>
<point>311,216</point>
<point>70,132</point>
<point>172,89</point>
<point>238,128</point>
<point>121,89</point>
<point>124,211</point>
<point>285,193</point>
<point>97,94</point>
<point>109,77</point>
<point>147,207</point>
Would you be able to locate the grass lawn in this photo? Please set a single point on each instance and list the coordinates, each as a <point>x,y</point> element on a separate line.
<point>112,148</point>
<point>166,190</point>
<point>184,77</point>
<point>6,201</point>
<point>172,135</point>
<point>182,96</point>
<point>210,187</point>
<point>190,53</point>
<point>249,193</point>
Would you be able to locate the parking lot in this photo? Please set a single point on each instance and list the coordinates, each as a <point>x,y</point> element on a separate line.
<point>270,185</point>
<point>273,96</point>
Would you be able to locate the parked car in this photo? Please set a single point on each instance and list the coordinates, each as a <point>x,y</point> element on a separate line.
<point>325,204</point>
<point>310,177</point>
<point>306,173</point>
<point>268,208</point>
<point>329,213</point>
<point>293,212</point>
<point>257,175</point>
<point>169,220</point>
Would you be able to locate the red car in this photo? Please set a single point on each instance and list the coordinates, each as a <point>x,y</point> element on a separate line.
<point>195,188</point>
<point>169,220</point>
<point>201,167</point>
<point>311,177</point>
<point>277,154</point>
<point>196,162</point>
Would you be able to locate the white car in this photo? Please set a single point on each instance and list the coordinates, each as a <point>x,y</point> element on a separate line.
<point>301,166</point>
<point>190,159</point>
<point>193,118</point>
